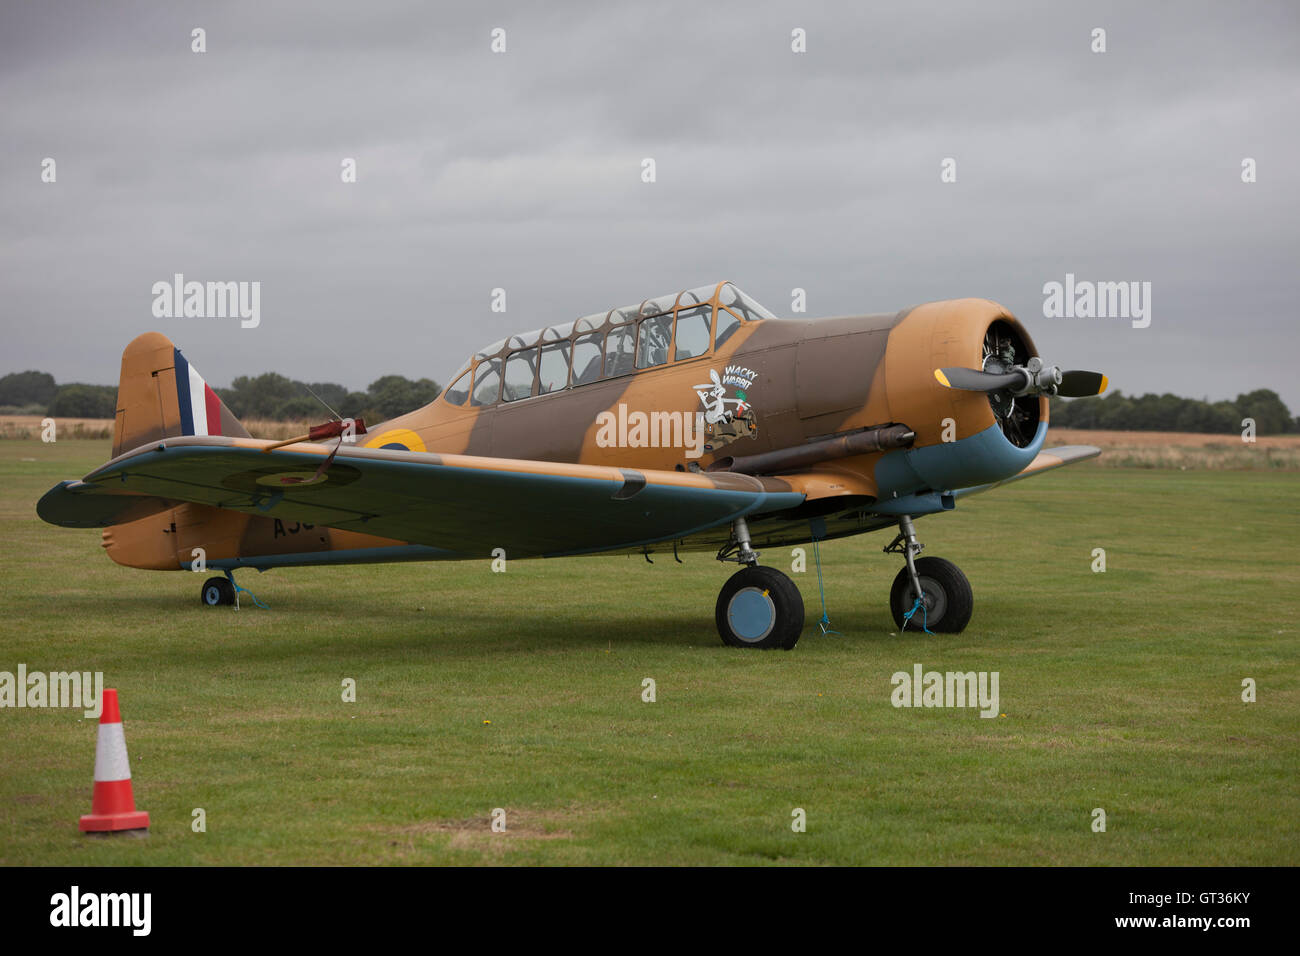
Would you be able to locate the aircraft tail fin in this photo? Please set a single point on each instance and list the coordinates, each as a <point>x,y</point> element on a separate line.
<point>161,395</point>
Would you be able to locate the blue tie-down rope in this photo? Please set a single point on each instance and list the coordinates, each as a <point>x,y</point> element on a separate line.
<point>825,622</point>
<point>231,578</point>
<point>908,616</point>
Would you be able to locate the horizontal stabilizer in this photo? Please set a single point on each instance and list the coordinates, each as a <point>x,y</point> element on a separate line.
<point>75,504</point>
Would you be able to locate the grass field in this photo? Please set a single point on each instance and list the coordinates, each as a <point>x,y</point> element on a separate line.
<point>1185,450</point>
<point>1120,690</point>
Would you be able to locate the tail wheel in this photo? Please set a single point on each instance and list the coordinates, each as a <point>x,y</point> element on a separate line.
<point>947,601</point>
<point>217,591</point>
<point>760,607</point>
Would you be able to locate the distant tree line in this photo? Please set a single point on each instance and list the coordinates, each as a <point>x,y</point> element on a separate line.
<point>36,393</point>
<point>1169,413</point>
<point>274,397</point>
<point>270,396</point>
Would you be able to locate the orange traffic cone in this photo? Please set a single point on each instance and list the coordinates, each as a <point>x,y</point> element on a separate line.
<point>113,806</point>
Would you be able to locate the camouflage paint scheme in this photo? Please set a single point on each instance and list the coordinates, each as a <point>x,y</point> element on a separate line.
<point>165,493</point>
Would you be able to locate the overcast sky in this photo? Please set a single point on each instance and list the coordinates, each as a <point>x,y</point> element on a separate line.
<point>522,170</point>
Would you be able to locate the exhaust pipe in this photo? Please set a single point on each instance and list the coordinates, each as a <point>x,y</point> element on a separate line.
<point>826,449</point>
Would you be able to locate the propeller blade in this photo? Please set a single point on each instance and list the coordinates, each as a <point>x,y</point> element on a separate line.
<point>1072,384</point>
<point>973,380</point>
<point>1077,384</point>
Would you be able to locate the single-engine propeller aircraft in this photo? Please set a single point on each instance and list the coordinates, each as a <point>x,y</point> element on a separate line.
<point>692,422</point>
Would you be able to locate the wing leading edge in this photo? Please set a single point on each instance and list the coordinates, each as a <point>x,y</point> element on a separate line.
<point>1047,460</point>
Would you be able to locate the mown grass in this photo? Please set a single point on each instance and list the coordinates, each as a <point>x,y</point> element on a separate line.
<point>1120,690</point>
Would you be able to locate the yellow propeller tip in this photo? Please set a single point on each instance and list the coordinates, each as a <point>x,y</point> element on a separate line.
<point>942,379</point>
<point>1105,383</point>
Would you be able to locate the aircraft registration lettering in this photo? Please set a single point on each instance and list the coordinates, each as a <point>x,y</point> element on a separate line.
<point>280,529</point>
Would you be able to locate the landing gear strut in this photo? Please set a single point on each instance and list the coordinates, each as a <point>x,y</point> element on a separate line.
<point>758,606</point>
<point>945,599</point>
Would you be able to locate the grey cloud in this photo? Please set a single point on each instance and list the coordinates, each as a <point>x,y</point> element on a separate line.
<point>522,171</point>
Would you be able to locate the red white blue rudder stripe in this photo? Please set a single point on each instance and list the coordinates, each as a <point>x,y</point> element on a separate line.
<point>200,408</point>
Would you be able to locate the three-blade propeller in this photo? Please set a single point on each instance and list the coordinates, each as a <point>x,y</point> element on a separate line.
<point>1031,379</point>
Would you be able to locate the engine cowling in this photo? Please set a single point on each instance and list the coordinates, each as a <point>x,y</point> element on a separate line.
<point>963,438</point>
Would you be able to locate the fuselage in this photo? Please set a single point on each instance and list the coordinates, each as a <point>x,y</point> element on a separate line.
<point>799,381</point>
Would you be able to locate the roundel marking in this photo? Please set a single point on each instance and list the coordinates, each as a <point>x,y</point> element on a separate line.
<point>298,479</point>
<point>403,439</point>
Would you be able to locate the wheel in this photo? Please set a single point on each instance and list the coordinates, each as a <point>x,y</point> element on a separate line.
<point>217,591</point>
<point>948,600</point>
<point>760,607</point>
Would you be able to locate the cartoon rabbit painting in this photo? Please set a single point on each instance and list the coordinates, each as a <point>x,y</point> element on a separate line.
<point>715,404</point>
<point>711,396</point>
<point>724,424</point>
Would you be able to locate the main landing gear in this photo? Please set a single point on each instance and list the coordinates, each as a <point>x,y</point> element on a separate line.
<point>758,606</point>
<point>217,591</point>
<point>945,602</point>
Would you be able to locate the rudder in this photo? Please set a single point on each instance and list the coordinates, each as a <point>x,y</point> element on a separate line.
<point>161,395</point>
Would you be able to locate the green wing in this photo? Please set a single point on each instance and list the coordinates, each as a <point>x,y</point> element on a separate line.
<point>457,503</point>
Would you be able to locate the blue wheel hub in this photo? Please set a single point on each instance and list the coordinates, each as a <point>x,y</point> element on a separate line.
<point>751,614</point>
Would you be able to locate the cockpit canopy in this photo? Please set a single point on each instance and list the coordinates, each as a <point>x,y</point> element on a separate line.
<point>604,345</point>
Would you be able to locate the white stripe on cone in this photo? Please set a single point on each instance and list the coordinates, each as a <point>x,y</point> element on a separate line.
<point>110,754</point>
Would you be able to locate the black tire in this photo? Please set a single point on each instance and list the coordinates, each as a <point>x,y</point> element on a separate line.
<point>949,601</point>
<point>217,591</point>
<point>759,607</point>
